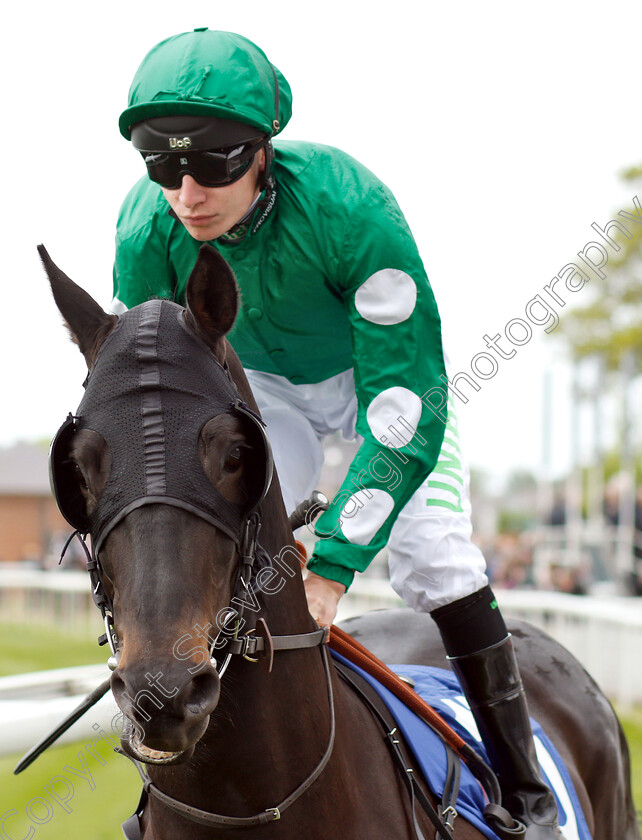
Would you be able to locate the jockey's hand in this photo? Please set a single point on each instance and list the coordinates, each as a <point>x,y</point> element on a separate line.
<point>323,596</point>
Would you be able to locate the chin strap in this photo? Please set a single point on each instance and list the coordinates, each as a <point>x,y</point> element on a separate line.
<point>257,214</point>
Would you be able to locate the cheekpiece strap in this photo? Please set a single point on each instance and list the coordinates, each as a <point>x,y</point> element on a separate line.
<point>250,645</point>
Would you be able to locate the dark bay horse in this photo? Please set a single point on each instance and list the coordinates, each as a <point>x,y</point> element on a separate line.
<point>269,739</point>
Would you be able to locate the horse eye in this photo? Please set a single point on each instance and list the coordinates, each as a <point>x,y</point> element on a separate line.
<point>80,477</point>
<point>234,460</point>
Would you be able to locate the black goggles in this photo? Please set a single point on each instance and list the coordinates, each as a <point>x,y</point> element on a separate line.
<point>215,168</point>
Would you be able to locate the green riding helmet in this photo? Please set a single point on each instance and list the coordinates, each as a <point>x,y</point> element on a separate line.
<point>206,73</point>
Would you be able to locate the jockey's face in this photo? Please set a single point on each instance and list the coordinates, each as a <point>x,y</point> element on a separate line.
<point>209,212</point>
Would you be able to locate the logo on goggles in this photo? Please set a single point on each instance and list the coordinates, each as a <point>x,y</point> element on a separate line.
<point>180,143</point>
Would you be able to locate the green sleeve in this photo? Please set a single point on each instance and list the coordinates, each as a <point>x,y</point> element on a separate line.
<point>398,359</point>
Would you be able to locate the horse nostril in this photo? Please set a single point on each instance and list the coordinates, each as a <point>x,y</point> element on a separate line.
<point>202,694</point>
<point>178,695</point>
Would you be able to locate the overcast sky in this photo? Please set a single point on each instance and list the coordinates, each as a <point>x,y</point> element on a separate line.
<point>501,127</point>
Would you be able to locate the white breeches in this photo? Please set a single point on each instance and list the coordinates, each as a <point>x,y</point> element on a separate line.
<point>431,557</point>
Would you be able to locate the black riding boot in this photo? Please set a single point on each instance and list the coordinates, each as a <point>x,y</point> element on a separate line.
<point>490,679</point>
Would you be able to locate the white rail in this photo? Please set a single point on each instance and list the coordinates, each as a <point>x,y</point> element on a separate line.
<point>58,598</point>
<point>31,705</point>
<point>605,634</point>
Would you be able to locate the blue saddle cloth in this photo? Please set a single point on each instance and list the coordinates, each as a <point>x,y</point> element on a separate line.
<point>440,689</point>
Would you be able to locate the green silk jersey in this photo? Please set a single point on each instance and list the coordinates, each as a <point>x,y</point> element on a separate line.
<point>330,280</point>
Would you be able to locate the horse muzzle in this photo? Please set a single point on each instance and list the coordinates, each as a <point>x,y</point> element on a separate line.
<point>166,713</point>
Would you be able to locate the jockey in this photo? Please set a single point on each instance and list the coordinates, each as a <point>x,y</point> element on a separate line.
<point>338,330</point>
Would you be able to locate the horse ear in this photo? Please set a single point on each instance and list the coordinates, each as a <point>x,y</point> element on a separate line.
<point>88,324</point>
<point>212,297</point>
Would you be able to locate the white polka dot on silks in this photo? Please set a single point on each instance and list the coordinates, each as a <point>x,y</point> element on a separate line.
<point>387,408</point>
<point>387,297</point>
<point>364,513</point>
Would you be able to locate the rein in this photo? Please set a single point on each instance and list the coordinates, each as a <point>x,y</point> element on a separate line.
<point>269,814</point>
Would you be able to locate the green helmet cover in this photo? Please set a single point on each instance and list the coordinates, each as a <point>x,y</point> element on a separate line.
<point>209,73</point>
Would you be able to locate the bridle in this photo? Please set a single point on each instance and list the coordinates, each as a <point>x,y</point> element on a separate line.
<point>250,647</point>
<point>242,525</point>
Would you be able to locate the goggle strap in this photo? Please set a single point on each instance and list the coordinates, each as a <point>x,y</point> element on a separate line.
<point>276,125</point>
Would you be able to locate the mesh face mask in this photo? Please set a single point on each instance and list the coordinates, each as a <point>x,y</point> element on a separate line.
<point>153,387</point>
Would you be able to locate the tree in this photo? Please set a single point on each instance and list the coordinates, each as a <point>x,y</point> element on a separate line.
<point>610,325</point>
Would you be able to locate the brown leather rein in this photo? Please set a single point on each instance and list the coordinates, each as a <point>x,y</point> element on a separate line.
<point>295,642</point>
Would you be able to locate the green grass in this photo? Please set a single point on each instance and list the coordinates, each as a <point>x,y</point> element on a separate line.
<point>632,725</point>
<point>41,647</point>
<point>95,814</point>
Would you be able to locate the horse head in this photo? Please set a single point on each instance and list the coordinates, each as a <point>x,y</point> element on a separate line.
<point>165,465</point>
